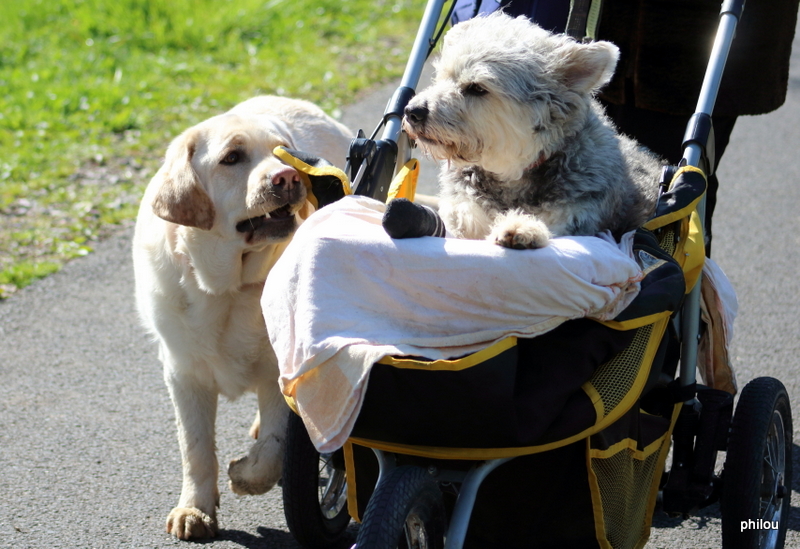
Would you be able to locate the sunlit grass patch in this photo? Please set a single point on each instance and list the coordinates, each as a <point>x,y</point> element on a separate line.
<point>91,91</point>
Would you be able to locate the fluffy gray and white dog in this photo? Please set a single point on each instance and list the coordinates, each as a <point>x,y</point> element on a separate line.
<point>529,152</point>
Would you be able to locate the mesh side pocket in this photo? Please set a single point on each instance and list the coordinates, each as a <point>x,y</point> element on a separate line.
<point>667,240</point>
<point>624,482</point>
<point>614,379</point>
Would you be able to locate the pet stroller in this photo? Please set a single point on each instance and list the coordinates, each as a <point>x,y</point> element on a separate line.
<point>565,435</point>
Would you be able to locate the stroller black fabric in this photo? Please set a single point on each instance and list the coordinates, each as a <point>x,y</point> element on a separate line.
<point>663,286</point>
<point>508,516</point>
<point>509,400</point>
<point>582,409</point>
<point>517,397</point>
<point>562,515</point>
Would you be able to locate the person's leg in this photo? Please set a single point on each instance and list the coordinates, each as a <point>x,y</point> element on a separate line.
<point>663,134</point>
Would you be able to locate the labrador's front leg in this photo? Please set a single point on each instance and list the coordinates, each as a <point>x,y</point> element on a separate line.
<point>195,409</point>
<point>258,471</point>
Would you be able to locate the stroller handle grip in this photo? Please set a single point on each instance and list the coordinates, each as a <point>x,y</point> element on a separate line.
<point>729,17</point>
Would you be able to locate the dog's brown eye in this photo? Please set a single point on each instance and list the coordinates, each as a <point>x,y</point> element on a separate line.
<point>231,158</point>
<point>475,89</point>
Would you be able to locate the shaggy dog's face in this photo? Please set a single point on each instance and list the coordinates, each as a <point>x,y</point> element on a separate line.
<point>505,94</point>
<point>222,176</point>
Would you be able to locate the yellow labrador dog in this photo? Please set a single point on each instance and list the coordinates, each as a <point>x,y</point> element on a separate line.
<point>213,221</point>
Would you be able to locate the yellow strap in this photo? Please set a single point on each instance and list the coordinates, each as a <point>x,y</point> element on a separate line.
<point>404,184</point>
<point>350,471</point>
<point>589,11</point>
<point>593,20</point>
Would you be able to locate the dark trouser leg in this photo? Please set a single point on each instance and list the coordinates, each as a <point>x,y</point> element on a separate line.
<point>663,134</point>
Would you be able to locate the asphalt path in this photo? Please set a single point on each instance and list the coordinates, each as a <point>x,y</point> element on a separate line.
<point>88,453</point>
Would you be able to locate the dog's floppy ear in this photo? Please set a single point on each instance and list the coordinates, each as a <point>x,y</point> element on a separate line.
<point>588,67</point>
<point>180,197</point>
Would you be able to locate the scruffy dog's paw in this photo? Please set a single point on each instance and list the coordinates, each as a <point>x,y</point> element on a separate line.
<point>191,523</point>
<point>519,231</point>
<point>257,472</point>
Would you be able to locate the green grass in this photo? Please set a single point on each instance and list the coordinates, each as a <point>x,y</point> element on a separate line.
<point>91,92</point>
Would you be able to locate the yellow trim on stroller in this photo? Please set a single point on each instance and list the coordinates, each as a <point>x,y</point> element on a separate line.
<point>352,498</point>
<point>607,413</point>
<point>694,251</point>
<point>636,322</point>
<point>452,365</point>
<point>677,215</point>
<point>690,247</point>
<point>404,184</point>
<point>602,500</point>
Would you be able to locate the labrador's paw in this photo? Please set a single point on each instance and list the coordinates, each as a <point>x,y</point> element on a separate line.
<point>257,472</point>
<point>191,523</point>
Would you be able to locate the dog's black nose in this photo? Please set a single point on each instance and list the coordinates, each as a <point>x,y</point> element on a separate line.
<point>416,115</point>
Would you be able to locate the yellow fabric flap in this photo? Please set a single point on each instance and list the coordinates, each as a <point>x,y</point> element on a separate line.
<point>404,184</point>
<point>664,220</point>
<point>694,252</point>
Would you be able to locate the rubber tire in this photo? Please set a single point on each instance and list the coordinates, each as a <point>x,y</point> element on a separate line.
<point>404,491</point>
<point>301,505</point>
<point>742,474</point>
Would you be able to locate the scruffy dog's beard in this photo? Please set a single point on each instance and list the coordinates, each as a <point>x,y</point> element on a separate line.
<point>493,135</point>
<point>440,149</point>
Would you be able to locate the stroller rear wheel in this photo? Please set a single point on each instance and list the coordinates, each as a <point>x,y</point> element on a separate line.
<point>758,468</point>
<point>405,512</point>
<point>314,491</point>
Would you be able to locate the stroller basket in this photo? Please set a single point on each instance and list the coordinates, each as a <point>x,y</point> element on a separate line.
<point>558,440</point>
<point>500,402</point>
<point>586,387</point>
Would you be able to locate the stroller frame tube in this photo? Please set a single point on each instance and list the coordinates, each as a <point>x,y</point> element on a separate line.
<point>469,481</point>
<point>416,61</point>
<point>693,155</point>
<point>462,511</point>
<point>372,172</point>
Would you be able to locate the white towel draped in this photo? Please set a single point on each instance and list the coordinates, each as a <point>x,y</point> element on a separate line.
<point>344,295</point>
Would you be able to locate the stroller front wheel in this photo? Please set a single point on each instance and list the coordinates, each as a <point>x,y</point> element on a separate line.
<point>758,468</point>
<point>405,512</point>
